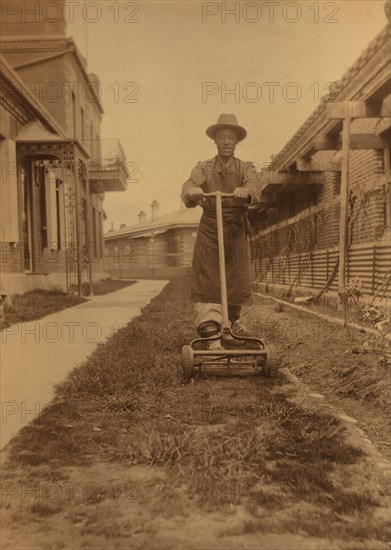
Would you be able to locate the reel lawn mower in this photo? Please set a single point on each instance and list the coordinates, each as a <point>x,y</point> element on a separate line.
<point>254,358</point>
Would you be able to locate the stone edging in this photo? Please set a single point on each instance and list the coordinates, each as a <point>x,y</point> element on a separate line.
<point>322,316</point>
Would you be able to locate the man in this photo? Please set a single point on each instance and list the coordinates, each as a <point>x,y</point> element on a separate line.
<point>227,174</point>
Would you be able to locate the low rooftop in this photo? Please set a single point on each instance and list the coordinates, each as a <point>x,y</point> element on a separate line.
<point>184,217</point>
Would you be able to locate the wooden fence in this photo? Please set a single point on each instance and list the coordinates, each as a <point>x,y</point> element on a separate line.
<point>370,263</point>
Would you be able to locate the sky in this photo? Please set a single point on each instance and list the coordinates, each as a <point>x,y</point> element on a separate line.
<point>167,68</point>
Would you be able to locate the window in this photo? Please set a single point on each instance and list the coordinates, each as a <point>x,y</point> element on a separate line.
<point>74,120</point>
<point>52,209</point>
<point>41,184</point>
<point>58,212</point>
<point>92,144</point>
<point>94,226</point>
<point>82,122</point>
<point>387,160</point>
<point>98,150</point>
<point>100,229</point>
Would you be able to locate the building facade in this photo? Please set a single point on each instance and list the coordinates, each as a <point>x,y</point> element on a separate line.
<point>55,166</point>
<point>160,247</point>
<point>297,228</point>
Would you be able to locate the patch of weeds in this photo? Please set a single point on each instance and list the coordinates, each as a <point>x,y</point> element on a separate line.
<point>164,493</point>
<point>304,449</point>
<point>45,509</point>
<point>305,435</point>
<point>268,494</point>
<point>304,481</point>
<point>105,286</point>
<point>101,522</point>
<point>326,523</point>
<point>316,522</point>
<point>37,473</point>
<point>349,502</point>
<point>45,441</point>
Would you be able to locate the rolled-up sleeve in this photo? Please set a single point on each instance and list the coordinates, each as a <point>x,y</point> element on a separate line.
<point>196,179</point>
<point>252,181</point>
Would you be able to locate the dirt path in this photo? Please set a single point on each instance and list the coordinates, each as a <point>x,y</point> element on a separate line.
<point>129,456</point>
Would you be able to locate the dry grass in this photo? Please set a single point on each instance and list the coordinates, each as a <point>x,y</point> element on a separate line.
<point>37,304</point>
<point>239,441</point>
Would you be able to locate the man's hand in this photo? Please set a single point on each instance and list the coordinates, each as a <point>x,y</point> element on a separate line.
<point>241,193</point>
<point>194,195</point>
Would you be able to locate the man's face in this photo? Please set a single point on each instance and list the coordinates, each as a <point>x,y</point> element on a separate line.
<point>226,140</point>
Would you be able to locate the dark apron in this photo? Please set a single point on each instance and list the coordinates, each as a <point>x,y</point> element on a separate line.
<point>205,273</point>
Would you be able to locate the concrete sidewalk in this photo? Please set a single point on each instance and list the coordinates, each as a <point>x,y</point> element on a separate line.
<point>37,355</point>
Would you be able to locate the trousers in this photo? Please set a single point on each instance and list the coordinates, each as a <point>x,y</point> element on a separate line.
<point>205,312</point>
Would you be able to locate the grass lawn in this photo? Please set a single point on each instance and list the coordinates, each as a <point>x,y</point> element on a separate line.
<point>232,459</point>
<point>39,303</point>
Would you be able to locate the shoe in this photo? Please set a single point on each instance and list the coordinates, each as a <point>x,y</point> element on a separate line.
<point>239,328</point>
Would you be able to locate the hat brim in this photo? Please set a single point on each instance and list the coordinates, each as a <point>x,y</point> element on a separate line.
<point>240,131</point>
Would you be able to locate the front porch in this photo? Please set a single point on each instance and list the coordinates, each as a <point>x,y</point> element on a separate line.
<point>53,242</point>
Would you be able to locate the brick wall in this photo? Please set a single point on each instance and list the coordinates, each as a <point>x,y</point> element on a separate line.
<point>172,250</point>
<point>369,221</point>
<point>11,258</point>
<point>282,231</point>
<point>83,100</point>
<point>46,81</point>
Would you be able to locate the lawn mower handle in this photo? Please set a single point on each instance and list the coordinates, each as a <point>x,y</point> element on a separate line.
<point>220,239</point>
<point>215,194</point>
<point>223,195</point>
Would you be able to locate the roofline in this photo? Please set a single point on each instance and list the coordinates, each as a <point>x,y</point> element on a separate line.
<point>147,231</point>
<point>73,49</point>
<point>318,114</point>
<point>41,59</point>
<point>80,60</point>
<point>33,103</point>
<point>63,140</point>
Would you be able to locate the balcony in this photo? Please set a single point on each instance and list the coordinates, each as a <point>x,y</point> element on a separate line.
<point>107,168</point>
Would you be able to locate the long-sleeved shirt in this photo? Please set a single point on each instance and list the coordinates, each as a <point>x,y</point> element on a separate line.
<point>215,175</point>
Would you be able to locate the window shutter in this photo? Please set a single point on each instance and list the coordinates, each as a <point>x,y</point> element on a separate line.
<point>51,210</point>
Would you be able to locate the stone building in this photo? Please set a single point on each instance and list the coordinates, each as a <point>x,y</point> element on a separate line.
<point>296,241</point>
<point>55,166</point>
<point>159,247</point>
